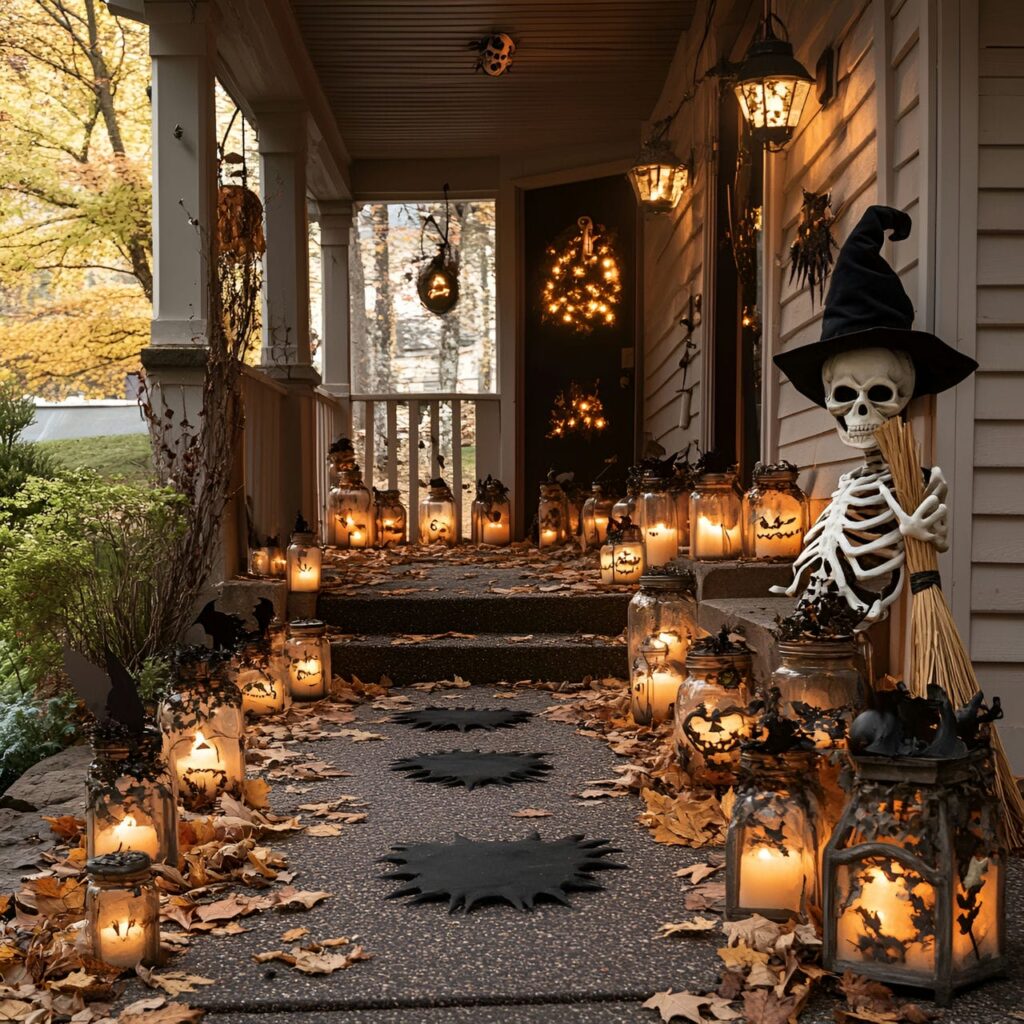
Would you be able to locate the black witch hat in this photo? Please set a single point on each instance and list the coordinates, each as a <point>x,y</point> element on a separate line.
<point>867,307</point>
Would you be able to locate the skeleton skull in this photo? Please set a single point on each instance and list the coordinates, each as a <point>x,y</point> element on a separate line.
<point>496,57</point>
<point>864,388</point>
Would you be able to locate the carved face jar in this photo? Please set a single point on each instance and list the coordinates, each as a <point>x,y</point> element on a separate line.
<point>864,388</point>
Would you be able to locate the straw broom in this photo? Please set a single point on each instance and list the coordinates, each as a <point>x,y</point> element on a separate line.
<point>937,654</point>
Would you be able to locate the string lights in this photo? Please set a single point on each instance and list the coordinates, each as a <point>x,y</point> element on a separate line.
<point>577,412</point>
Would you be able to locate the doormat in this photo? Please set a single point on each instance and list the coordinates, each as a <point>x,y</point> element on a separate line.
<point>463,719</point>
<point>468,872</point>
<point>472,768</point>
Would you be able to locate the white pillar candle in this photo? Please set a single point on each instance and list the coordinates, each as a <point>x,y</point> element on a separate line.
<point>496,533</point>
<point>127,834</point>
<point>607,572</point>
<point>713,540</point>
<point>601,527</point>
<point>306,678</point>
<point>548,538</point>
<point>777,533</point>
<point>122,943</point>
<point>771,879</point>
<point>202,769</point>
<point>660,543</point>
<point>675,645</point>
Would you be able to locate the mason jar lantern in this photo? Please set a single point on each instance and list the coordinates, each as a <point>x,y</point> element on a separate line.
<point>656,514</point>
<point>597,510</point>
<point>552,515</point>
<point>437,515</point>
<point>622,556</point>
<point>715,511</point>
<point>662,610</point>
<point>122,910</point>
<point>654,684</point>
<point>491,514</point>
<point>308,654</point>
<point>304,560</point>
<point>352,512</point>
<point>390,519</point>
<point>775,513</point>
<point>263,691</point>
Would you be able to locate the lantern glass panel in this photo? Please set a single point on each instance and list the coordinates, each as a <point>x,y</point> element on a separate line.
<point>661,611</point>
<point>774,517</point>
<point>715,510</point>
<point>626,505</point>
<point>680,491</point>
<point>654,684</point>
<point>278,561</point>
<point>710,719</point>
<point>304,562</point>
<point>122,914</point>
<point>263,691</point>
<point>622,558</point>
<point>352,515</point>
<point>391,519</point>
<point>437,517</point>
<point>492,521</point>
<point>656,516</point>
<point>130,804</point>
<point>772,106</point>
<point>659,185</point>
<point>772,845</point>
<point>596,511</point>
<point>308,654</point>
<point>553,521</point>
<point>259,561</point>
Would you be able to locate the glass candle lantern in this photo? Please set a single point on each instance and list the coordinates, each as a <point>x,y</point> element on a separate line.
<point>263,691</point>
<point>679,487</point>
<point>390,519</point>
<point>711,720</point>
<point>259,561</point>
<point>130,803</point>
<point>202,727</point>
<point>122,910</point>
<point>775,513</point>
<point>437,515</point>
<point>340,458</point>
<point>622,556</point>
<point>656,514</point>
<point>304,560</point>
<point>552,516</point>
<point>715,510</point>
<point>771,850</point>
<point>662,610</point>
<point>654,684</point>
<point>626,505</point>
<point>352,512</point>
<point>277,633</point>
<point>597,510</point>
<point>491,514</point>
<point>308,653</point>
<point>278,559</point>
<point>913,875</point>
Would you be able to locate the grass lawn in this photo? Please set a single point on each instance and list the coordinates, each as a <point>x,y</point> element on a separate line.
<point>118,456</point>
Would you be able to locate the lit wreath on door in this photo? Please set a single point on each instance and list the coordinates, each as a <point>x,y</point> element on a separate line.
<point>583,283</point>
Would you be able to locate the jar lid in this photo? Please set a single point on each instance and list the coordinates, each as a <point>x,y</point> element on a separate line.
<point>306,627</point>
<point>818,646</point>
<point>303,537</point>
<point>124,864</point>
<point>716,479</point>
<point>677,582</point>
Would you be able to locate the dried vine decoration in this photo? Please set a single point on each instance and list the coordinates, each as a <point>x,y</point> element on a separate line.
<point>577,412</point>
<point>810,255</point>
<point>437,283</point>
<point>582,286</point>
<point>725,641</point>
<point>824,615</point>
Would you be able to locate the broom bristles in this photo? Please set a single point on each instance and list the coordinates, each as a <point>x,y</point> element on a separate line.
<point>937,653</point>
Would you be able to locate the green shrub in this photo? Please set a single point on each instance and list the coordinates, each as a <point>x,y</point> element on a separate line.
<point>32,729</point>
<point>19,460</point>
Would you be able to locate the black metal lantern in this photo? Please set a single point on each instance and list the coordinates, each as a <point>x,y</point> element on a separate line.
<point>772,85</point>
<point>437,284</point>
<point>658,177</point>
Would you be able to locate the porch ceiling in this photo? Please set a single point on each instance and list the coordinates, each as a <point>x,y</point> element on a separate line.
<point>399,74</point>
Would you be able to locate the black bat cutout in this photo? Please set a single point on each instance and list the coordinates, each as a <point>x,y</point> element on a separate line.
<point>263,613</point>
<point>223,629</point>
<point>110,696</point>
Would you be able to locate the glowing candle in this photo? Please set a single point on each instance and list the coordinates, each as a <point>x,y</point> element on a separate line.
<point>278,563</point>
<point>262,695</point>
<point>548,538</point>
<point>121,943</point>
<point>771,878</point>
<point>202,770</point>
<point>127,834</point>
<point>715,540</point>
<point>675,645</point>
<point>628,563</point>
<point>607,562</point>
<point>660,543</point>
<point>306,679</point>
<point>601,527</point>
<point>496,533</point>
<point>259,562</point>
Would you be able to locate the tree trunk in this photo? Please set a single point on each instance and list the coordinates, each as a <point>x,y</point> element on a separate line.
<point>383,335</point>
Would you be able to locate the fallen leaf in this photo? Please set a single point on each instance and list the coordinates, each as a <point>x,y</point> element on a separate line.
<point>290,898</point>
<point>696,873</point>
<point>678,1004</point>
<point>741,955</point>
<point>256,792</point>
<point>172,982</point>
<point>171,1013</point>
<point>360,735</point>
<point>531,812</point>
<point>755,931</point>
<point>763,1006</point>
<point>66,826</point>
<point>294,934</point>
<point>323,830</point>
<point>695,925</point>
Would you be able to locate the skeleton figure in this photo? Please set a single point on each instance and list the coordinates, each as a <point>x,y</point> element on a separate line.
<point>856,546</point>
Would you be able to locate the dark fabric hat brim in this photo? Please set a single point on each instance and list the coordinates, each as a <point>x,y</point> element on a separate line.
<point>937,366</point>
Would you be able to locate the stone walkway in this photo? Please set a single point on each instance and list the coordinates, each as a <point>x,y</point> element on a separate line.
<point>594,962</point>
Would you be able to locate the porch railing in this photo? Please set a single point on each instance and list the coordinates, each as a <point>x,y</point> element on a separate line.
<point>410,438</point>
<point>262,482</point>
<point>327,425</point>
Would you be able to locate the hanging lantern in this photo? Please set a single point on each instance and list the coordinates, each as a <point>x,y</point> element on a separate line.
<point>552,515</point>
<point>130,801</point>
<point>658,177</point>
<point>491,513</point>
<point>308,653</point>
<point>622,555</point>
<point>304,559</point>
<point>775,513</point>
<point>597,510</point>
<point>390,519</point>
<point>711,718</point>
<point>772,86</point>
<point>239,222</point>
<point>122,910</point>
<point>583,285</point>
<point>351,511</point>
<point>437,284</point>
<point>715,511</point>
<point>915,871</point>
<point>437,515</point>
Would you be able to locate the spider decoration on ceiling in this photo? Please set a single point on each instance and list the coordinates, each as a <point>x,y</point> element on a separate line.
<point>583,283</point>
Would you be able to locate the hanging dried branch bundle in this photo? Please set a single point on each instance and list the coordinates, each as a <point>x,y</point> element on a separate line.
<point>810,254</point>
<point>937,653</point>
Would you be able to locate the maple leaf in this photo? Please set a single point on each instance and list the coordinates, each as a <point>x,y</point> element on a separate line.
<point>171,982</point>
<point>763,1006</point>
<point>678,1004</point>
<point>756,931</point>
<point>66,827</point>
<point>695,925</point>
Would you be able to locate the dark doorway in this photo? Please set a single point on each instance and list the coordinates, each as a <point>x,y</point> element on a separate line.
<point>556,355</point>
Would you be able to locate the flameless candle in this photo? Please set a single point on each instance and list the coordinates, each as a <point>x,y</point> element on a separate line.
<point>278,563</point>
<point>127,834</point>
<point>202,768</point>
<point>715,540</point>
<point>772,877</point>
<point>660,544</point>
<point>548,538</point>
<point>306,678</point>
<point>308,654</point>
<point>122,943</point>
<point>607,556</point>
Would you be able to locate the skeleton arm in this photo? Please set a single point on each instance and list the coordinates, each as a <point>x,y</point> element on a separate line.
<point>929,521</point>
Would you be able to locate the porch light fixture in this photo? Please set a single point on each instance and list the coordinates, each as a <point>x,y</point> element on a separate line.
<point>772,85</point>
<point>658,177</point>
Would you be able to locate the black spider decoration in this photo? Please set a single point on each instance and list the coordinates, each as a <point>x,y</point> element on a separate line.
<point>473,768</point>
<point>467,872</point>
<point>463,719</point>
<point>810,255</point>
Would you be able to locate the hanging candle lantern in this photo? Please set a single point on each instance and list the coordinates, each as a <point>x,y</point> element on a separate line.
<point>772,86</point>
<point>304,559</point>
<point>351,511</point>
<point>775,513</point>
<point>663,610</point>
<point>491,513</point>
<point>202,728</point>
<point>715,510</point>
<point>308,652</point>
<point>390,518</point>
<point>583,284</point>
<point>772,846</point>
<point>552,515</point>
<point>658,177</point>
<point>914,871</point>
<point>130,804</point>
<point>437,515</point>
<point>656,514</point>
<point>437,284</point>
<point>622,555</point>
<point>654,684</point>
<point>263,692</point>
<point>711,718</point>
<point>597,511</point>
<point>122,910</point>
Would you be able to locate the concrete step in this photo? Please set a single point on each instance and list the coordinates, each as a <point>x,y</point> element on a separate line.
<point>443,611</point>
<point>481,658</point>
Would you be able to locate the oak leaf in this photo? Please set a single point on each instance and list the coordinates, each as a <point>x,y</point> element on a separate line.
<point>763,1006</point>
<point>290,898</point>
<point>694,926</point>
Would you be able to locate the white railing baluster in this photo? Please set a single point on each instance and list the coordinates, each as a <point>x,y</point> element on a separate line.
<point>368,446</point>
<point>392,443</point>
<point>457,463</point>
<point>414,470</point>
<point>435,437</point>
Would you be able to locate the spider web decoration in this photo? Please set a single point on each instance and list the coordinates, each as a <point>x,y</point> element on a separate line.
<point>582,285</point>
<point>463,719</point>
<point>473,768</point>
<point>468,872</point>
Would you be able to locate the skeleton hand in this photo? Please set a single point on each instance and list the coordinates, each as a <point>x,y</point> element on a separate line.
<point>928,521</point>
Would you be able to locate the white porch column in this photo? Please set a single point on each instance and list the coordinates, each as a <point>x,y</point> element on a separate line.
<point>183,51</point>
<point>286,262</point>
<point>335,218</point>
